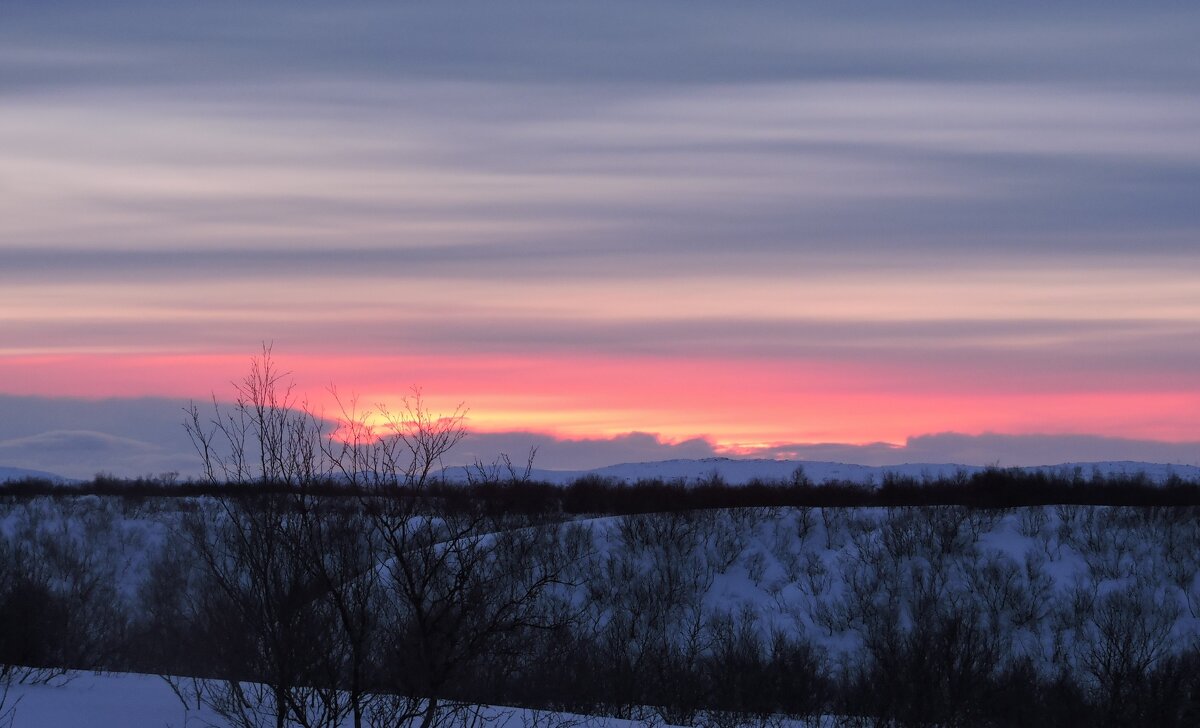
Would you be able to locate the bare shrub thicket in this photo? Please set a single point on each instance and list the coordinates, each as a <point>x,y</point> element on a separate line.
<point>415,609</point>
<point>462,597</point>
<point>60,607</point>
<point>645,608</point>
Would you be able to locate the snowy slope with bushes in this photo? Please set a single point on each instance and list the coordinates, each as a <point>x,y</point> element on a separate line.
<point>924,615</point>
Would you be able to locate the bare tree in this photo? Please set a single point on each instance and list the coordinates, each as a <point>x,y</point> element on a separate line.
<point>8,668</point>
<point>276,638</point>
<point>1127,635</point>
<point>8,709</point>
<point>501,470</point>
<point>390,447</point>
<point>340,551</point>
<point>260,592</point>
<point>415,440</point>
<point>458,585</point>
<point>461,589</point>
<point>429,589</point>
<point>267,435</point>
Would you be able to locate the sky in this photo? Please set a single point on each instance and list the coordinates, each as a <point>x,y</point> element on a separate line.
<point>871,231</point>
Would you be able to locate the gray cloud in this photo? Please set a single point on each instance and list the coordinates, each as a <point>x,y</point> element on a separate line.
<point>80,437</point>
<point>145,436</point>
<point>997,449</point>
<point>575,454</point>
<point>948,355</point>
<point>601,41</point>
<point>542,137</point>
<point>893,169</point>
<point>1048,449</point>
<point>955,448</point>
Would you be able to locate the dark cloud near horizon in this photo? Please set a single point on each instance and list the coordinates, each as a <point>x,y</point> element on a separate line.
<point>997,449</point>
<point>131,437</point>
<point>552,453</point>
<point>78,438</point>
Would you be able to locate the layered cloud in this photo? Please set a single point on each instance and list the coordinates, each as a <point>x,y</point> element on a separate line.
<point>588,219</point>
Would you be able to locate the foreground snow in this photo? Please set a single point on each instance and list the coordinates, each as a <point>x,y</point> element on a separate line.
<point>103,701</point>
<point>124,700</point>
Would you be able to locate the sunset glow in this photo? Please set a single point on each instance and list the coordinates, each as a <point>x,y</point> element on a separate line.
<point>758,231</point>
<point>738,405</point>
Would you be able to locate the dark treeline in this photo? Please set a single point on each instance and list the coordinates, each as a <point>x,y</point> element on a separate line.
<point>990,488</point>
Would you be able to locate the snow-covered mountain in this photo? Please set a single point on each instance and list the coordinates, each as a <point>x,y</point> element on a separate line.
<point>7,474</point>
<point>737,472</point>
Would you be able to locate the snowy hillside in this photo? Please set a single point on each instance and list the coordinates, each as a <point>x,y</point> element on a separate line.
<point>803,612</point>
<point>825,573</point>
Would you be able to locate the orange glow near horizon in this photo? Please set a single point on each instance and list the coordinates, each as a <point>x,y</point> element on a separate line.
<point>737,405</point>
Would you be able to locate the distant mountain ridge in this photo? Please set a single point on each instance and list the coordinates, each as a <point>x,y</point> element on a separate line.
<point>738,472</point>
<point>8,473</point>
